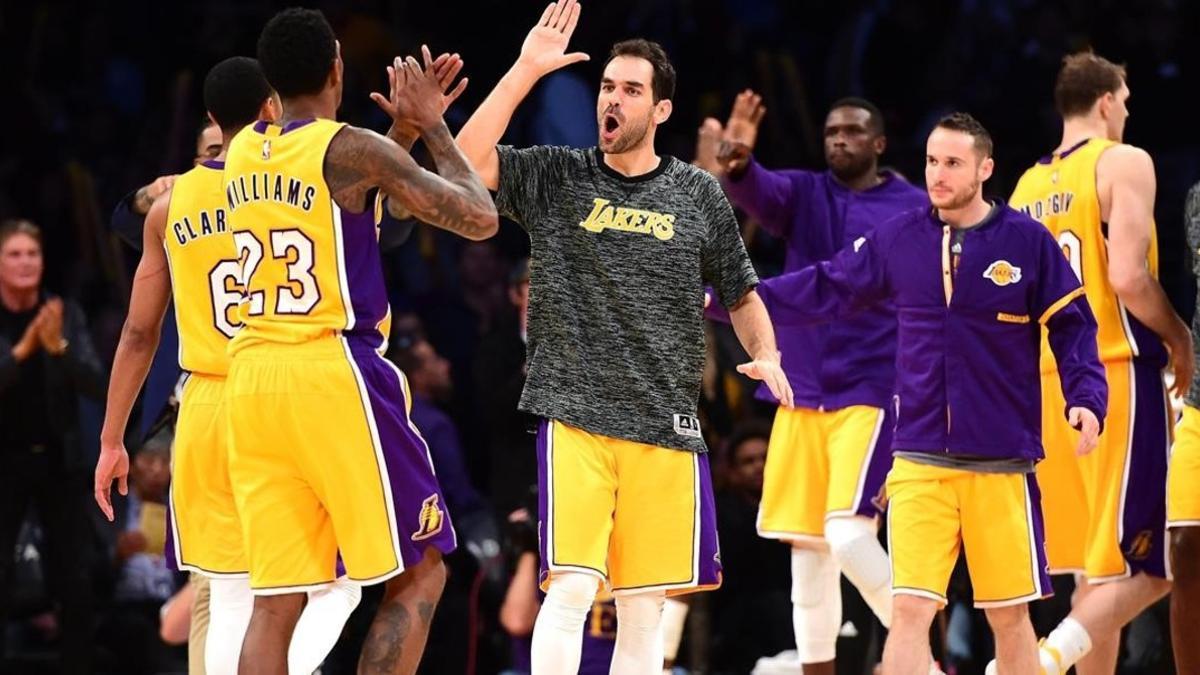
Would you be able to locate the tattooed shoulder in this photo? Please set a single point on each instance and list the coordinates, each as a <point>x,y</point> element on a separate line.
<point>352,163</point>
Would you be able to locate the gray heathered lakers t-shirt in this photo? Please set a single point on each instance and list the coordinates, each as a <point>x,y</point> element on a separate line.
<point>616,303</point>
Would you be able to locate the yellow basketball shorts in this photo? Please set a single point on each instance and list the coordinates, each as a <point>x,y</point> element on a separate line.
<point>823,464</point>
<point>324,459</point>
<point>638,516</point>
<point>995,517</point>
<point>204,533</point>
<point>1106,511</point>
<point>1183,483</point>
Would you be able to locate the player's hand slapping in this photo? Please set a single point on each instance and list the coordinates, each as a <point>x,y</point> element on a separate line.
<point>769,371</point>
<point>544,49</point>
<point>1089,429</point>
<point>741,132</point>
<point>418,96</point>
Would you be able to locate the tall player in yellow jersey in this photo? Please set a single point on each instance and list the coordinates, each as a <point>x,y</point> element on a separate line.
<point>323,455</point>
<point>187,254</point>
<point>1105,512</point>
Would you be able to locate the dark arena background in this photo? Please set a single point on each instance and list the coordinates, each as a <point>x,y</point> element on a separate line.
<point>103,98</point>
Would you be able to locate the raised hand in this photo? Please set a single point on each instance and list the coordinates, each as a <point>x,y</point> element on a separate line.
<point>741,131</point>
<point>445,68</point>
<point>708,144</point>
<point>545,47</point>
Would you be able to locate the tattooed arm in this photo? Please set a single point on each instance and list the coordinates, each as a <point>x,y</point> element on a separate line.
<point>453,199</point>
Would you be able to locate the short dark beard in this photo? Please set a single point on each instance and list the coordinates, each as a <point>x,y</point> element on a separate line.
<point>628,140</point>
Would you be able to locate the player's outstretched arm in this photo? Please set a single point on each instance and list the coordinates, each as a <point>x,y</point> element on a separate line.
<point>1130,173</point>
<point>543,52</point>
<point>754,331</point>
<point>454,200</point>
<point>135,352</point>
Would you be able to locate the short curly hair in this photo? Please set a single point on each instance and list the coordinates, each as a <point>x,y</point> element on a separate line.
<point>234,91</point>
<point>296,50</point>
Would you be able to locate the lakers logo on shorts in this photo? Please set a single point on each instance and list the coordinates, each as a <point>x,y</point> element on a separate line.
<point>1139,549</point>
<point>1002,273</point>
<point>431,519</point>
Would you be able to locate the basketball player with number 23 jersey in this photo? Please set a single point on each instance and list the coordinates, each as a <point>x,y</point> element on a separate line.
<point>1106,512</point>
<point>323,456</point>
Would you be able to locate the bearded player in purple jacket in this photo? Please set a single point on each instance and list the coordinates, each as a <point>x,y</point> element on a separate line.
<point>829,455</point>
<point>972,284</point>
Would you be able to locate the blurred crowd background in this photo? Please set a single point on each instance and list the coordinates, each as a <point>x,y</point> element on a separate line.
<point>100,99</point>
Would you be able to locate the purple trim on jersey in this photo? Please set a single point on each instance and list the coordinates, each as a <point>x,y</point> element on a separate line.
<point>1144,511</point>
<point>543,463</point>
<point>1039,535</point>
<point>871,502</point>
<point>1046,159</point>
<point>261,125</point>
<point>364,273</point>
<point>405,455</point>
<point>218,164</point>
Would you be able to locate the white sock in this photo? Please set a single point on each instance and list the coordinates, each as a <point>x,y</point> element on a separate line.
<point>674,619</point>
<point>230,604</point>
<point>558,631</point>
<point>858,552</point>
<point>639,649</point>
<point>816,604</point>
<point>1071,642</point>
<point>320,625</point>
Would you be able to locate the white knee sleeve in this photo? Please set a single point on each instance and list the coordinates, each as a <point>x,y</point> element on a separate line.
<point>230,604</point>
<point>558,631</point>
<point>856,548</point>
<point>674,619</point>
<point>320,625</point>
<point>816,604</point>
<point>639,648</point>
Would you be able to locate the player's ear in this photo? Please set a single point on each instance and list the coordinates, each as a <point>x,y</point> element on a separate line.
<point>985,168</point>
<point>879,144</point>
<point>1104,104</point>
<point>272,108</point>
<point>662,111</point>
<point>335,72</point>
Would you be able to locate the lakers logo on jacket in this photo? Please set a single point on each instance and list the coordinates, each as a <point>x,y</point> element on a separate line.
<point>1002,273</point>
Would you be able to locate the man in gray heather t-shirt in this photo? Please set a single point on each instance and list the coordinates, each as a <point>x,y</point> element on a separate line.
<point>616,339</point>
<point>623,242</point>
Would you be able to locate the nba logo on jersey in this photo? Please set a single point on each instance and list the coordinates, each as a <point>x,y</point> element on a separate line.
<point>1002,273</point>
<point>687,425</point>
<point>430,520</point>
<point>266,149</point>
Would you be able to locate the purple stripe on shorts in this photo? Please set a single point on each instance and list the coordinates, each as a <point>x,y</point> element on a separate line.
<point>169,552</point>
<point>710,546</point>
<point>421,514</point>
<point>1039,535</point>
<point>871,503</point>
<point>543,464</point>
<point>1144,511</point>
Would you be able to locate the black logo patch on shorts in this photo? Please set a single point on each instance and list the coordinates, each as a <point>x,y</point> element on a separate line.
<point>687,425</point>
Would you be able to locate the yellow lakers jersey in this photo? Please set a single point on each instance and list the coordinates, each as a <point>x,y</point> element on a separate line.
<point>309,269</point>
<point>204,270</point>
<point>1060,192</point>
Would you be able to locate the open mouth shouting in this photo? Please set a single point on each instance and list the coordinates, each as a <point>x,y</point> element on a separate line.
<point>610,127</point>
